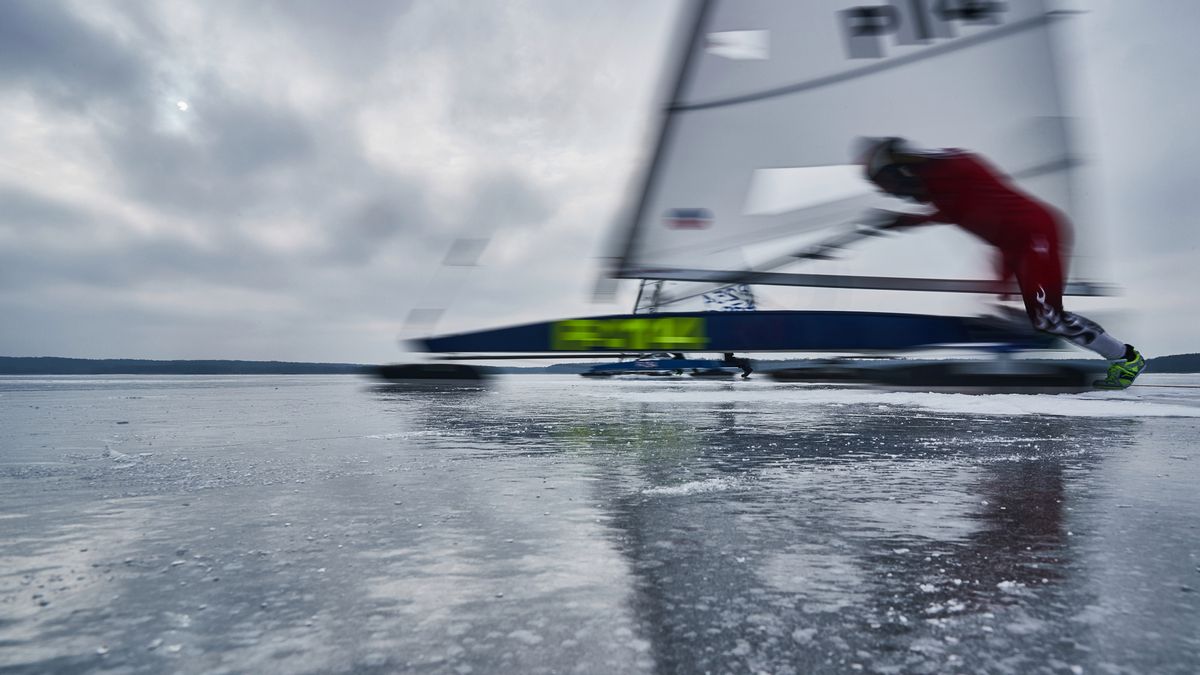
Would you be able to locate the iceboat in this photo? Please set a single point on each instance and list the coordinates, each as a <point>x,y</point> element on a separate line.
<point>750,185</point>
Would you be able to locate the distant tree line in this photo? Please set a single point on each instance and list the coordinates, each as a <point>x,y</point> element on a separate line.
<point>51,365</point>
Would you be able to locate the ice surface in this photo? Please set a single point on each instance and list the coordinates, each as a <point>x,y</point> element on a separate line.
<point>559,524</point>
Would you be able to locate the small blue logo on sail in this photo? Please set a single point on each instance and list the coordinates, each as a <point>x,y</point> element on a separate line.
<point>688,219</point>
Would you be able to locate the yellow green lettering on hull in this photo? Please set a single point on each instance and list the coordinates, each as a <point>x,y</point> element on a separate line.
<point>664,333</point>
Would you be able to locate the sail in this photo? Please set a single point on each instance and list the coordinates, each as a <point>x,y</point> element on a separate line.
<point>755,147</point>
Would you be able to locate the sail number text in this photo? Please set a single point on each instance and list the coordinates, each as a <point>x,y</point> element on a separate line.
<point>911,22</point>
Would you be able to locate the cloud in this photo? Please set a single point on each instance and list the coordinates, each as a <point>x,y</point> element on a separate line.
<point>332,157</point>
<point>507,199</point>
<point>378,220</point>
<point>223,162</point>
<point>25,209</point>
<point>47,49</point>
<point>348,39</point>
<point>326,165</point>
<point>1141,104</point>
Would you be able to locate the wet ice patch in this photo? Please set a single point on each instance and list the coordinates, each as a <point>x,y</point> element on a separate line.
<point>822,579</point>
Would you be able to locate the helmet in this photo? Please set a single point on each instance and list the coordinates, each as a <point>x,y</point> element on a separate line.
<point>876,153</point>
<point>883,167</point>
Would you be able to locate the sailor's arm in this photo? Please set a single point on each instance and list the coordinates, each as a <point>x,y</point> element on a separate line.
<point>893,220</point>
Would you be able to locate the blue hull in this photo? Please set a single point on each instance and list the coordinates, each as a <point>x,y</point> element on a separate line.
<point>760,331</point>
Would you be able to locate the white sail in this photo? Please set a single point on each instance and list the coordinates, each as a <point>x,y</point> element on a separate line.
<point>756,144</point>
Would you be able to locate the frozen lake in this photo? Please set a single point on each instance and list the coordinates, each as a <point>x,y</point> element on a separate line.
<point>557,524</point>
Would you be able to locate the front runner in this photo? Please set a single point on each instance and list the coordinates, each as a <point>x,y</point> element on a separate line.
<point>1031,237</point>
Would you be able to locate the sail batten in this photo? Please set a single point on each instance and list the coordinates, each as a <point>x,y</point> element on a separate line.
<point>865,71</point>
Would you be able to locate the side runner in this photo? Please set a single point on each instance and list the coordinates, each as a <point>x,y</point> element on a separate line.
<point>1031,237</point>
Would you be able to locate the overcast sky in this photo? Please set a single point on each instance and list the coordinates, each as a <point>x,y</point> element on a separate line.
<point>283,180</point>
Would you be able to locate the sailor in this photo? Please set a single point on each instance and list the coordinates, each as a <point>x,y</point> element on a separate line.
<point>1033,239</point>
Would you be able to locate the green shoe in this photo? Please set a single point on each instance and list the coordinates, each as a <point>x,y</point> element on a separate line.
<point>1122,373</point>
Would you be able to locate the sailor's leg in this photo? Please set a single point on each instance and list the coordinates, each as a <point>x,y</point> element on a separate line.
<point>1040,275</point>
<point>1126,364</point>
<point>1076,329</point>
<point>1043,302</point>
<point>1040,271</point>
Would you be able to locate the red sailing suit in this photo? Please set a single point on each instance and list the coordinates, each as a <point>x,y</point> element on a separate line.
<point>1031,236</point>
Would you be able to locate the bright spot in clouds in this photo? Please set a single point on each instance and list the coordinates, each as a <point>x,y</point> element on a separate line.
<point>182,105</point>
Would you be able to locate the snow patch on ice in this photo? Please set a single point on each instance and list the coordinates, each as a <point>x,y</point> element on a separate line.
<point>1083,405</point>
<point>1091,404</point>
<point>405,434</point>
<point>526,637</point>
<point>804,635</point>
<point>694,487</point>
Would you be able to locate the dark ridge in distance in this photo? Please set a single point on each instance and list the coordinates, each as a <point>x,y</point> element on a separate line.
<point>52,365</point>
<point>1175,363</point>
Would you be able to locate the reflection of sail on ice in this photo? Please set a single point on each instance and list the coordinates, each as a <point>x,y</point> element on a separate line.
<point>753,159</point>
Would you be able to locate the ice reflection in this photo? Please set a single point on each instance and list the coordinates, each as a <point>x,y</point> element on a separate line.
<point>869,537</point>
<point>861,542</point>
